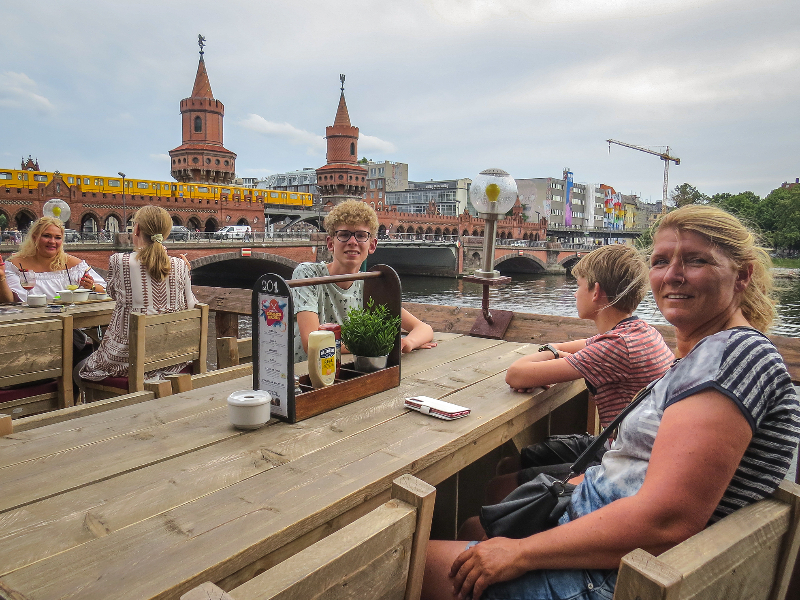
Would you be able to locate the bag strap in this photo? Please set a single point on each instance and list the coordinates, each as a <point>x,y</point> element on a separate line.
<point>580,465</point>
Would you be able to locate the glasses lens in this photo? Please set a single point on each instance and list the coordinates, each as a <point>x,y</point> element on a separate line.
<point>343,235</point>
<point>362,236</point>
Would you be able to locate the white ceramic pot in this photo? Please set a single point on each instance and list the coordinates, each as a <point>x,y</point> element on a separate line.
<point>249,409</point>
<point>65,295</point>
<point>80,295</point>
<point>36,300</point>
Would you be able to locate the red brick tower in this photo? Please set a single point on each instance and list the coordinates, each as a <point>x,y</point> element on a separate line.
<point>342,178</point>
<point>201,157</point>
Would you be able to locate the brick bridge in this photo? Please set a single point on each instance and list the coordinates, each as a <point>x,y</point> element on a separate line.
<point>221,263</point>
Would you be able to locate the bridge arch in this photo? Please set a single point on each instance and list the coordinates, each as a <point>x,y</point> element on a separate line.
<point>23,219</point>
<point>211,225</point>
<point>570,261</point>
<point>231,269</point>
<point>520,263</point>
<point>176,220</point>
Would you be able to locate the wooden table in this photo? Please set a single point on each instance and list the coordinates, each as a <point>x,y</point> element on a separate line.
<point>150,500</point>
<point>89,314</point>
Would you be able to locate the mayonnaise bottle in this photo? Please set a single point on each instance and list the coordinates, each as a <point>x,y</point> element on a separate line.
<point>321,358</point>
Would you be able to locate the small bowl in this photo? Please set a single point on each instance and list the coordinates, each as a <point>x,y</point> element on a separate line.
<point>36,300</point>
<point>80,295</point>
<point>249,409</point>
<point>65,295</point>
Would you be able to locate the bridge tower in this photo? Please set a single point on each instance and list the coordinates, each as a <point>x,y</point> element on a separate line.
<point>201,157</point>
<point>342,178</point>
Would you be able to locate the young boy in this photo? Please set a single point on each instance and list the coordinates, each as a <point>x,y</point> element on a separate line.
<point>624,356</point>
<point>352,227</point>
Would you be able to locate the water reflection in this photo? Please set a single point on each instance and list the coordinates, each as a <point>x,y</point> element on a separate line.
<point>553,295</point>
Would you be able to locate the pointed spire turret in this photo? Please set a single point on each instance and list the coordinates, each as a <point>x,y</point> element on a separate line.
<point>202,86</point>
<point>342,117</point>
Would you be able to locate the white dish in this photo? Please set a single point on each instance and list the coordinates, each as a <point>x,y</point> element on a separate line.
<point>80,295</point>
<point>36,300</point>
<point>249,409</point>
<point>65,295</point>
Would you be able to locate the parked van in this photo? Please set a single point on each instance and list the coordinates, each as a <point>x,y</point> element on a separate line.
<point>234,232</point>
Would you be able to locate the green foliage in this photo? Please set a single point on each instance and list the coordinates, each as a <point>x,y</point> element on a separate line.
<point>370,331</point>
<point>687,194</point>
<point>3,221</point>
<point>644,241</point>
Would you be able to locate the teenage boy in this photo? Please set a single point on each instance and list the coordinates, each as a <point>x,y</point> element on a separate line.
<point>624,356</point>
<point>352,227</point>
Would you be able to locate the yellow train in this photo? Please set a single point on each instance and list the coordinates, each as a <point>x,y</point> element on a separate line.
<point>15,178</point>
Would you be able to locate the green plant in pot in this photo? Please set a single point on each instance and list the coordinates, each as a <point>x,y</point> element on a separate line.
<point>370,333</point>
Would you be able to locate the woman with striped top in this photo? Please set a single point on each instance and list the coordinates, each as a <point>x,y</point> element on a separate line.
<point>714,434</point>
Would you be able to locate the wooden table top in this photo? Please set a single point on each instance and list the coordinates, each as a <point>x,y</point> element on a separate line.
<point>150,500</point>
<point>84,315</point>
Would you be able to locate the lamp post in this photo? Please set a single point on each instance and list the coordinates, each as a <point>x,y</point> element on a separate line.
<point>124,207</point>
<point>492,193</point>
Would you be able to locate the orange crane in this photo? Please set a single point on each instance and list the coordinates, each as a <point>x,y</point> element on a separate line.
<point>663,156</point>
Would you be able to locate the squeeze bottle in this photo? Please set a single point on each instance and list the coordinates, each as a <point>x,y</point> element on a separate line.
<point>321,358</point>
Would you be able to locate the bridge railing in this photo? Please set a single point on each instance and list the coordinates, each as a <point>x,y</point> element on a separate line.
<point>419,237</point>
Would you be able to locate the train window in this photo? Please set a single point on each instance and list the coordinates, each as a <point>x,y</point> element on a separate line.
<point>226,191</point>
<point>22,176</point>
<point>293,196</point>
<point>113,183</point>
<point>273,194</point>
<point>202,190</point>
<point>98,182</point>
<point>40,177</point>
<point>283,196</point>
<point>174,187</point>
<point>5,175</point>
<point>142,185</point>
<point>70,180</point>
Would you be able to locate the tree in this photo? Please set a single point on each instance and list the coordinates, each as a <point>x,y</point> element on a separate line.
<point>3,221</point>
<point>687,194</point>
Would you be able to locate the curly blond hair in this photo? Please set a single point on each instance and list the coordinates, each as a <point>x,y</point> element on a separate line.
<point>738,243</point>
<point>27,248</point>
<point>351,213</point>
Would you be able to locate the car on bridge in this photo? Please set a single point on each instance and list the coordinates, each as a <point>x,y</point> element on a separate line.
<point>234,232</point>
<point>179,233</point>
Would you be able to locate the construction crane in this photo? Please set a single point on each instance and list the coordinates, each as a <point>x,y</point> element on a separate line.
<point>662,155</point>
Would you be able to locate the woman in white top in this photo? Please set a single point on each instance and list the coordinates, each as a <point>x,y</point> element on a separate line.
<point>42,252</point>
<point>146,282</point>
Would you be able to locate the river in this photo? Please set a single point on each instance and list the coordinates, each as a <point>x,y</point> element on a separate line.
<point>553,295</point>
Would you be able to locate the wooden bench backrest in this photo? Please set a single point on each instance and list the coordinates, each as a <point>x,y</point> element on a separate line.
<point>32,351</point>
<point>748,555</point>
<point>159,341</point>
<point>380,556</point>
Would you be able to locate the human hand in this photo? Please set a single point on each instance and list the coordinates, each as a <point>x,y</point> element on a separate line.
<point>489,562</point>
<point>87,281</point>
<point>407,345</point>
<point>186,260</point>
<point>529,390</point>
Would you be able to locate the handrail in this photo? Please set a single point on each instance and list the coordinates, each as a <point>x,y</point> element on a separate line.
<point>293,283</point>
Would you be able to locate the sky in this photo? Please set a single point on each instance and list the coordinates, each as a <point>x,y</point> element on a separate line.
<point>451,87</point>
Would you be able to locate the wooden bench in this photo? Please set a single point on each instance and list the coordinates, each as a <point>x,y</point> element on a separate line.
<point>749,555</point>
<point>380,555</point>
<point>156,342</point>
<point>36,351</point>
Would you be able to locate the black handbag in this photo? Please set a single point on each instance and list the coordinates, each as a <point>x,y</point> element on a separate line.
<point>557,449</point>
<point>537,505</point>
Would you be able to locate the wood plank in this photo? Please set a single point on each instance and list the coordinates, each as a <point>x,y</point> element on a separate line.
<point>222,375</point>
<point>263,513</point>
<point>227,352</point>
<point>371,553</point>
<point>422,497</point>
<point>6,426</point>
<point>181,382</point>
<point>158,387</point>
<point>82,410</point>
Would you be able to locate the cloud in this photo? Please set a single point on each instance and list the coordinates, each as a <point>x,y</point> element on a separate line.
<point>160,157</point>
<point>370,143</point>
<point>315,144</point>
<point>17,90</point>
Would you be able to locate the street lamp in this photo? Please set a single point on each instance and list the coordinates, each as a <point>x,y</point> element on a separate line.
<point>124,207</point>
<point>492,193</point>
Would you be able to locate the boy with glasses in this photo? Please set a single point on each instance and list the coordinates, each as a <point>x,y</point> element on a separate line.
<point>352,227</point>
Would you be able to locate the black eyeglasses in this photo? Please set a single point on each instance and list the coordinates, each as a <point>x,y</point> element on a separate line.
<point>343,235</point>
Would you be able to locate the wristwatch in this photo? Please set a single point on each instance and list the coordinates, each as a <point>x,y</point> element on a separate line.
<point>551,348</point>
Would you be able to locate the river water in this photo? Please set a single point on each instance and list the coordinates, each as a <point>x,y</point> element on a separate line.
<point>553,295</point>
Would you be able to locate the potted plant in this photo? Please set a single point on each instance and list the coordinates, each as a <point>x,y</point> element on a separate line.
<point>370,333</point>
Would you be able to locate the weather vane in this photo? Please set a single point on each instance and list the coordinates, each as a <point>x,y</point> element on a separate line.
<point>341,78</point>
<point>201,41</point>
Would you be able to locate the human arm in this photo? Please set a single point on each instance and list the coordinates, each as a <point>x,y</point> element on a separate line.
<point>89,278</point>
<point>699,445</point>
<point>307,322</point>
<point>186,277</point>
<point>542,368</point>
<point>6,295</point>
<point>420,334</point>
<point>11,271</point>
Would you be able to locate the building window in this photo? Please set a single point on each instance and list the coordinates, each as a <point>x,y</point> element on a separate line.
<point>352,148</point>
<point>380,184</point>
<point>198,125</point>
<point>372,184</point>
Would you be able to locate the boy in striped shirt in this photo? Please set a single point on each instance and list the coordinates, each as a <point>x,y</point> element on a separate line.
<point>624,356</point>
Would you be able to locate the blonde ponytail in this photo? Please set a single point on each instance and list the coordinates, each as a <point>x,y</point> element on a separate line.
<point>154,226</point>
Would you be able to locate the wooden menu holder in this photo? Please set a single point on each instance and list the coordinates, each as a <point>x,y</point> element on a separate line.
<point>382,284</point>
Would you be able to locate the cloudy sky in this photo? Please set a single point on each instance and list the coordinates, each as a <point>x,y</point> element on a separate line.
<point>450,87</point>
